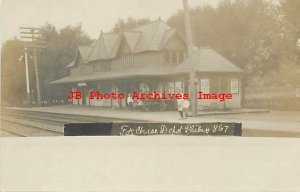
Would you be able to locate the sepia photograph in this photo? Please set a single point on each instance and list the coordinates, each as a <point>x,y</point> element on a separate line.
<point>229,69</point>
<point>235,61</point>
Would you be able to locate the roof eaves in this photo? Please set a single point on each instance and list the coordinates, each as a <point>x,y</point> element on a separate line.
<point>226,59</point>
<point>164,42</point>
<point>138,41</point>
<point>88,57</point>
<point>141,26</point>
<point>133,48</point>
<point>71,64</point>
<point>76,55</point>
<point>116,46</point>
<point>94,47</point>
<point>154,33</point>
<point>84,52</point>
<point>104,45</point>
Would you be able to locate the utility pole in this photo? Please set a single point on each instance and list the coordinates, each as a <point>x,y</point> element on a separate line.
<point>188,31</point>
<point>35,44</point>
<point>27,79</point>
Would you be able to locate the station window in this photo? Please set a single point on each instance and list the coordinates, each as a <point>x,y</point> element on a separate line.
<point>234,85</point>
<point>214,85</point>
<point>173,57</point>
<point>128,61</point>
<point>204,85</point>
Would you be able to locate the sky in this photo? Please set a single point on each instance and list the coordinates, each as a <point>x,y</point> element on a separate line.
<point>94,15</point>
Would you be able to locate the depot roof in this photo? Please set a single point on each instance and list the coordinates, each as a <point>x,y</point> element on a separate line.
<point>204,60</point>
<point>208,60</point>
<point>149,37</point>
<point>84,52</point>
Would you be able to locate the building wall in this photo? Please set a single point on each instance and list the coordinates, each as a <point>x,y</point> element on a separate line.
<point>89,68</point>
<point>139,60</point>
<point>74,71</point>
<point>219,84</point>
<point>148,59</point>
<point>235,102</point>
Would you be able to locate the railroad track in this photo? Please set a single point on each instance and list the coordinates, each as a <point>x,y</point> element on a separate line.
<point>45,119</point>
<point>26,130</point>
<point>34,123</point>
<point>9,133</point>
<point>66,118</point>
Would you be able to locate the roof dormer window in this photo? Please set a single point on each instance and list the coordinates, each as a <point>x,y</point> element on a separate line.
<point>173,57</point>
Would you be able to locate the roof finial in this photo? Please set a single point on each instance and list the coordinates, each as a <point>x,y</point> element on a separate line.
<point>101,31</point>
<point>159,18</point>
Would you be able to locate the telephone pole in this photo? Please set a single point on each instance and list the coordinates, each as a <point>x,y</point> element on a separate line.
<point>189,39</point>
<point>27,79</point>
<point>34,44</point>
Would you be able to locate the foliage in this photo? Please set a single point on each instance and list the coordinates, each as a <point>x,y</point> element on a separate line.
<point>52,62</point>
<point>259,36</point>
<point>123,25</point>
<point>254,34</point>
<point>60,51</point>
<point>13,86</point>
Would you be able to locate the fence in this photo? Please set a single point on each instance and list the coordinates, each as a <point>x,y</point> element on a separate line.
<point>276,98</point>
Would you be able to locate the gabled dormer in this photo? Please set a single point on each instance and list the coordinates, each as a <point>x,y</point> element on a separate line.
<point>174,48</point>
<point>78,65</point>
<point>154,43</point>
<point>106,47</point>
<point>150,37</point>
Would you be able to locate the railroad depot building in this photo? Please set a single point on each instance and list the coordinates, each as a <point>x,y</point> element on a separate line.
<point>152,57</point>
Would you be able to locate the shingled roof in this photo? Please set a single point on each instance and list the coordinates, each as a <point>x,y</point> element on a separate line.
<point>142,71</point>
<point>84,52</point>
<point>149,37</point>
<point>106,47</point>
<point>208,60</point>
